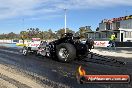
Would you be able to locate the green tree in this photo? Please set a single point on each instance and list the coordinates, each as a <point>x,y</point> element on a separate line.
<point>84,30</point>
<point>97,29</point>
<point>11,35</point>
<point>50,34</point>
<point>62,31</point>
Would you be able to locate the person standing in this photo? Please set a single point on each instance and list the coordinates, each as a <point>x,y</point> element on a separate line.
<point>112,41</point>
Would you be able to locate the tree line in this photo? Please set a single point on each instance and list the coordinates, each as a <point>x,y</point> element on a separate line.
<point>49,34</point>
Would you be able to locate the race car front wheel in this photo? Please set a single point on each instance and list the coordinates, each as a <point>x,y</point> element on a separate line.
<point>25,51</point>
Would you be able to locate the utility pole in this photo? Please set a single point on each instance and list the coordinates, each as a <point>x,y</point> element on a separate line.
<point>65,19</point>
<point>23,36</point>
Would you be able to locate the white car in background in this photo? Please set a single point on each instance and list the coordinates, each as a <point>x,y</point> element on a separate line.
<point>31,46</point>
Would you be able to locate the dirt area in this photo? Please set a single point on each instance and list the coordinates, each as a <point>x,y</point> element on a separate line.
<point>6,84</point>
<point>9,78</point>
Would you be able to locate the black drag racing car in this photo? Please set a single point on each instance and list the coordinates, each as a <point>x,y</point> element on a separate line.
<point>65,49</point>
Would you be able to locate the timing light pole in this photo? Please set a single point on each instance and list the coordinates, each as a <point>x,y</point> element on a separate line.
<point>65,19</point>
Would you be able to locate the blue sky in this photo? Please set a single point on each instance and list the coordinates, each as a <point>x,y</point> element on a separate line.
<point>18,15</point>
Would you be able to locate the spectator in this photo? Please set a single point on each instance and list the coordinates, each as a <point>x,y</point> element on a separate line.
<point>112,41</point>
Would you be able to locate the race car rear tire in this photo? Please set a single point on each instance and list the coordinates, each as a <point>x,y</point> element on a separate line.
<point>65,52</point>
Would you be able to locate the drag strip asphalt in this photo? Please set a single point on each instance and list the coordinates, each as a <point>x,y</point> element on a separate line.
<point>55,74</point>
